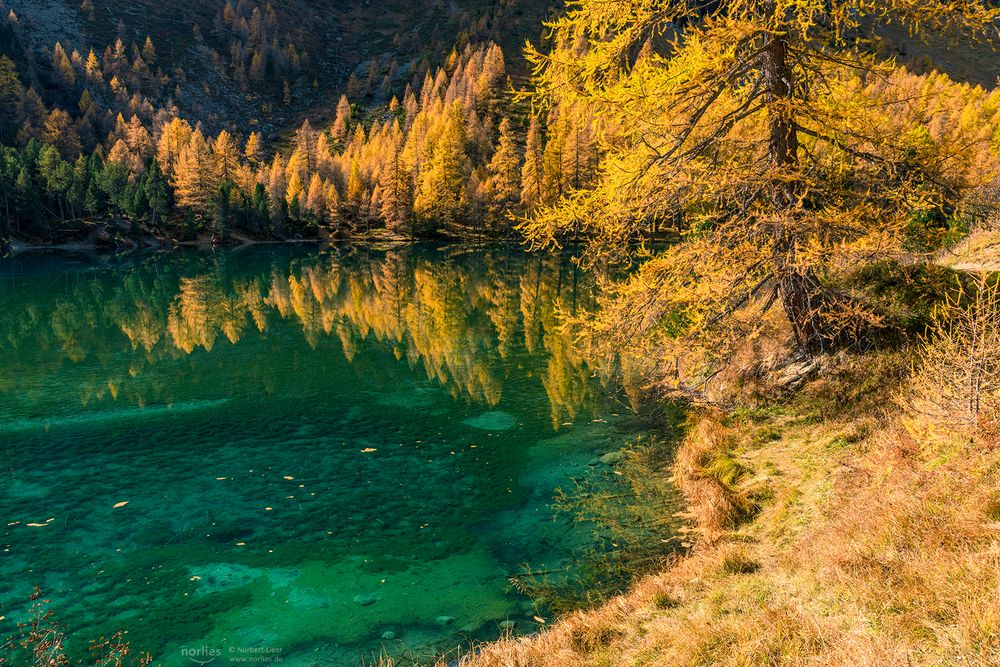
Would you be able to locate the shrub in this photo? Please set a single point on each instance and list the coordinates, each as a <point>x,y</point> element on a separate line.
<point>954,396</point>
<point>710,476</point>
<point>41,643</point>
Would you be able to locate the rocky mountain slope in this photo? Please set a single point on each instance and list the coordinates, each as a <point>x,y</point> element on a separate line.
<point>234,64</point>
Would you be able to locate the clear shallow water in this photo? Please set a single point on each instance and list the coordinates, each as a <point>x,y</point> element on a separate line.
<point>273,453</point>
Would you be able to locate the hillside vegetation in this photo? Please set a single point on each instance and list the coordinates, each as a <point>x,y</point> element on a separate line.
<point>227,62</point>
<point>867,550</point>
<point>840,459</point>
<point>840,462</point>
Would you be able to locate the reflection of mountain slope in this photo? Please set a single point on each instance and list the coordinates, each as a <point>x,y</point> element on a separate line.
<point>463,320</point>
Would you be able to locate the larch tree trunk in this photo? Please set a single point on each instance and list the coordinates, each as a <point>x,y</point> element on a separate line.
<point>798,287</point>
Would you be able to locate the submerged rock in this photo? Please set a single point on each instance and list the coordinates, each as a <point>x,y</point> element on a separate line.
<point>497,420</point>
<point>217,577</point>
<point>444,620</point>
<point>365,600</point>
<point>611,458</point>
<point>508,625</point>
<point>388,635</point>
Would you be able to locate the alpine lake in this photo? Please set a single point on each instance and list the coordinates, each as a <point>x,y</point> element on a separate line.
<point>279,455</point>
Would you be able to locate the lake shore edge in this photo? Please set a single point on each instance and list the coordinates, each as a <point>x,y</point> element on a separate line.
<point>107,237</point>
<point>819,530</point>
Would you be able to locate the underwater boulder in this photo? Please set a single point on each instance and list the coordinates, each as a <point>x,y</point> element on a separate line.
<point>497,420</point>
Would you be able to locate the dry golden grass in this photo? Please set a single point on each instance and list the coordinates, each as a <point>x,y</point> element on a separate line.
<point>866,552</point>
<point>706,473</point>
<point>980,251</point>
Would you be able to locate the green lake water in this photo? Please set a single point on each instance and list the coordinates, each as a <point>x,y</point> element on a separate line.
<point>279,455</point>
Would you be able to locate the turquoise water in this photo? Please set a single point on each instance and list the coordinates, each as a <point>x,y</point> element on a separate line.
<point>276,453</point>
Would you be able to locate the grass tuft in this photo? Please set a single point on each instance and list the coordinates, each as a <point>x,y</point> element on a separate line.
<point>738,562</point>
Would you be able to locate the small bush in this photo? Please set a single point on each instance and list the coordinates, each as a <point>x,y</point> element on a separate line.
<point>766,435</point>
<point>737,562</point>
<point>664,600</point>
<point>954,396</point>
<point>595,634</point>
<point>992,511</point>
<point>41,643</point>
<point>711,477</point>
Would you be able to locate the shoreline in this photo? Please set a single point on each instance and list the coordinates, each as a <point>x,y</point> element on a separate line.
<point>99,244</point>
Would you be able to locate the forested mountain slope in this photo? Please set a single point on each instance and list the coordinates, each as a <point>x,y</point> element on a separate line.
<point>231,64</point>
<point>181,121</point>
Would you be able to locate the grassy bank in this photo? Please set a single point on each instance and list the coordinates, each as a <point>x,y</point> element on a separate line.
<point>825,534</point>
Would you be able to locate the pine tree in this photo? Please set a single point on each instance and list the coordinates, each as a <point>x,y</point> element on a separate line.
<point>554,180</point>
<point>86,101</point>
<point>120,154</point>
<point>276,188</point>
<point>254,150</point>
<point>222,215</point>
<point>226,157</point>
<point>355,195</point>
<point>54,176</point>
<point>93,67</point>
<point>59,132</point>
<point>533,174</point>
<point>11,93</point>
<point>342,121</point>
<point>114,180</point>
<point>759,131</point>
<point>173,138</point>
<point>333,214</point>
<point>324,155</point>
<point>305,143</point>
<point>396,187</point>
<point>298,166</point>
<point>62,65</point>
<point>295,188</point>
<point>504,183</point>
<point>157,191</point>
<point>260,204</point>
<point>315,194</point>
<point>194,177</point>
<point>149,52</point>
<point>442,196</point>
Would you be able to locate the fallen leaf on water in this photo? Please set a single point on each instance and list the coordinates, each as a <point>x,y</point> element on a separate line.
<point>268,509</point>
<point>121,504</point>
<point>289,477</point>
<point>241,544</point>
<point>368,450</point>
<point>539,619</point>
<point>37,525</point>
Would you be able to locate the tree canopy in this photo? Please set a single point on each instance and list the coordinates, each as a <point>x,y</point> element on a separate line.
<point>778,144</point>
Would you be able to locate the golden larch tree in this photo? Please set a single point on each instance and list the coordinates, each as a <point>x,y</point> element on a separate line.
<point>762,133</point>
